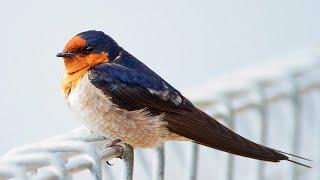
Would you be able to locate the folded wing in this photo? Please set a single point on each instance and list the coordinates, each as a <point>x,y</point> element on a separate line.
<point>131,90</point>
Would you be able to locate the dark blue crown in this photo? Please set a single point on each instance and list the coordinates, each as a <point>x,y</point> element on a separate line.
<point>101,43</point>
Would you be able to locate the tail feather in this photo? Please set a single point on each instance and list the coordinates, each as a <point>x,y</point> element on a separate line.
<point>301,164</point>
<point>204,130</point>
<point>293,155</point>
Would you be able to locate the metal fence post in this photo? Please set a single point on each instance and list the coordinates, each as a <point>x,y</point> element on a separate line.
<point>228,113</point>
<point>296,105</point>
<point>128,161</point>
<point>158,163</point>
<point>193,164</point>
<point>143,160</point>
<point>260,100</point>
<point>317,127</point>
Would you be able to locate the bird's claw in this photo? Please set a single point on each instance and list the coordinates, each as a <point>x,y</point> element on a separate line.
<point>114,144</point>
<point>109,164</point>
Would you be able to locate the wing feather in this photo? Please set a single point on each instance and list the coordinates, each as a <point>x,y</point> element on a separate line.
<point>132,91</point>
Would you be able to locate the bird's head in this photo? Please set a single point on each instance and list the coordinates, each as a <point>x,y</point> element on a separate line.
<point>87,49</point>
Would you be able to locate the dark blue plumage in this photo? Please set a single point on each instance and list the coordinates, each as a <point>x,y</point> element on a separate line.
<point>127,71</point>
<point>101,43</point>
<point>133,74</point>
<point>125,68</point>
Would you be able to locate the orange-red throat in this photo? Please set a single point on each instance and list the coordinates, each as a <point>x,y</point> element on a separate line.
<point>78,64</point>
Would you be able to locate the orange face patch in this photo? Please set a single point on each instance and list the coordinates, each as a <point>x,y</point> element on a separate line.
<point>75,43</point>
<point>80,62</point>
<point>77,66</point>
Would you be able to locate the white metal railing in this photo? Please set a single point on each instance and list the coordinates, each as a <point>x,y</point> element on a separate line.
<point>61,156</point>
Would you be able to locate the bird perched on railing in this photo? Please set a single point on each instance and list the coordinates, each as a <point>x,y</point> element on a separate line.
<point>119,97</point>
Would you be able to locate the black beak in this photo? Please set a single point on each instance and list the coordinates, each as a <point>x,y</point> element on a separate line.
<point>65,54</point>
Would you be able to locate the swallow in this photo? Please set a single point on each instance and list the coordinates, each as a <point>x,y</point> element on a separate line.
<point>117,96</point>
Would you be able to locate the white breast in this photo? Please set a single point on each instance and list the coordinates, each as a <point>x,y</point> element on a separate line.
<point>137,128</point>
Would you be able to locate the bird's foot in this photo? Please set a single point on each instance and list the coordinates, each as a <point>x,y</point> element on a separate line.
<point>114,144</point>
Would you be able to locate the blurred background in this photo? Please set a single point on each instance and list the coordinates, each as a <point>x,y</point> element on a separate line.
<point>186,42</point>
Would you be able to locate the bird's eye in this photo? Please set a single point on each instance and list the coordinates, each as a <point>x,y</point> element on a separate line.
<point>89,48</point>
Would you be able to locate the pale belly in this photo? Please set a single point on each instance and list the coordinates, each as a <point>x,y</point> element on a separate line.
<point>137,128</point>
